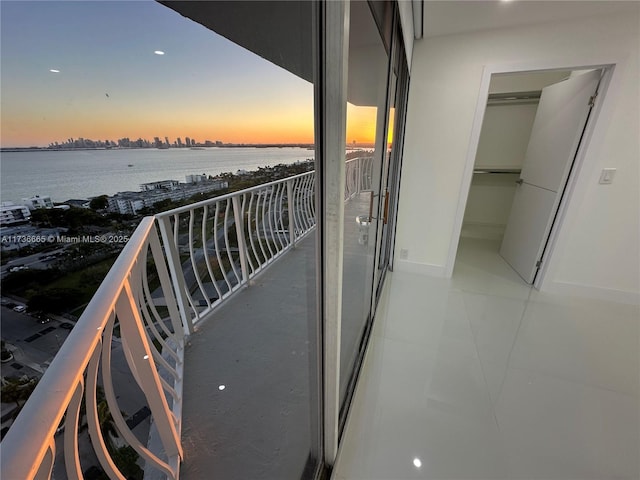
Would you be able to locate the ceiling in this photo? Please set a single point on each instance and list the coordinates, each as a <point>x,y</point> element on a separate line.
<point>451,17</point>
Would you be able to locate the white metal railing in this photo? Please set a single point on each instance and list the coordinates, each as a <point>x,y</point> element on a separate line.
<point>156,291</point>
<point>358,176</point>
<point>84,363</point>
<point>217,246</point>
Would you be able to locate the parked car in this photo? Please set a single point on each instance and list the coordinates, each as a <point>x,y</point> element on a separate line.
<point>19,308</point>
<point>66,326</point>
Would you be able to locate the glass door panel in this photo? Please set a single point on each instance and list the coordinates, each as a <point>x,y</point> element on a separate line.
<point>366,117</point>
<point>398,85</point>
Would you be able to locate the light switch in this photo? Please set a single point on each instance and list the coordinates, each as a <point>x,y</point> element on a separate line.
<point>606,177</point>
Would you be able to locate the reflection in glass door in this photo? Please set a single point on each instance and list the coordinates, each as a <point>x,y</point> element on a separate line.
<point>376,96</point>
<point>398,88</point>
<point>366,118</point>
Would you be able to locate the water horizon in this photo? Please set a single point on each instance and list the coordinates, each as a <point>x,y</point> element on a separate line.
<point>65,175</point>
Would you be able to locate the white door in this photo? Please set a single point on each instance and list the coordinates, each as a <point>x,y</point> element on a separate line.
<point>555,137</point>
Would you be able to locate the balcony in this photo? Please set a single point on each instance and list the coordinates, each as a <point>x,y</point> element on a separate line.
<point>160,332</point>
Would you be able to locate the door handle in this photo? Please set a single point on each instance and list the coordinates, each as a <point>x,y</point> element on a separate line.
<point>386,207</point>
<point>371,206</point>
<point>520,181</point>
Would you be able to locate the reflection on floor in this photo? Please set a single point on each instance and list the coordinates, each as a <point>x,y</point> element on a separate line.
<point>482,377</point>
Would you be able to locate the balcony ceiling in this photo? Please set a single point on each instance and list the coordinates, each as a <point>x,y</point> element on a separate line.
<point>277,31</point>
<point>454,17</point>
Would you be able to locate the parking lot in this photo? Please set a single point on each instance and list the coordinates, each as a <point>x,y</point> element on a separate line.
<point>33,341</point>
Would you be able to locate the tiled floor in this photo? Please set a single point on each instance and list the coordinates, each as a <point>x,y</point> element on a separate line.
<point>482,377</point>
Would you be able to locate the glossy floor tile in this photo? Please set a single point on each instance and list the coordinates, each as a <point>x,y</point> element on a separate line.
<point>481,377</point>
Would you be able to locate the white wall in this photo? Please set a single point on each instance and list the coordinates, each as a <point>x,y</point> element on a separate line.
<point>406,20</point>
<point>490,200</point>
<point>505,135</point>
<point>597,249</point>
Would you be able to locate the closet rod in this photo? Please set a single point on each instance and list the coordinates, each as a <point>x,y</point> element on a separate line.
<point>514,97</point>
<point>510,171</point>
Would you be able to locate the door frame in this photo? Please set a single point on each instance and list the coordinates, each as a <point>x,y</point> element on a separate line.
<point>585,160</point>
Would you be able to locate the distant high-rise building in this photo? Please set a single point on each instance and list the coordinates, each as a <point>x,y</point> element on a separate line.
<point>179,141</point>
<point>187,140</point>
<point>166,140</point>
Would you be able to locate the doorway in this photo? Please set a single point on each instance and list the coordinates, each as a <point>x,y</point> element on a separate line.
<point>527,152</point>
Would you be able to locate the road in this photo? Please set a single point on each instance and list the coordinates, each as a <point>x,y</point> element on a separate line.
<point>31,261</point>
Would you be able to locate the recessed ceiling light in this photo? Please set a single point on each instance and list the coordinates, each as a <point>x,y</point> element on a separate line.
<point>221,387</point>
<point>417,462</point>
<point>158,52</point>
<point>53,70</point>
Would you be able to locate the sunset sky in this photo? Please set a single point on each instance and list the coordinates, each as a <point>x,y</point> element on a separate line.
<point>110,84</point>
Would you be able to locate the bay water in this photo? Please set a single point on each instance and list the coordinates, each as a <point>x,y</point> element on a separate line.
<point>64,175</point>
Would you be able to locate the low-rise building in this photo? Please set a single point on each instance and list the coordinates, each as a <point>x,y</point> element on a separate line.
<point>37,202</point>
<point>160,184</point>
<point>132,202</point>
<point>126,203</point>
<point>11,214</point>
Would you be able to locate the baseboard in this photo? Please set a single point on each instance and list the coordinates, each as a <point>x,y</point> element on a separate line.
<point>419,268</point>
<point>588,291</point>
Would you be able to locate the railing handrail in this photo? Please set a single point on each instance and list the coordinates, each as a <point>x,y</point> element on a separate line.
<point>229,195</point>
<point>28,439</point>
<point>357,158</point>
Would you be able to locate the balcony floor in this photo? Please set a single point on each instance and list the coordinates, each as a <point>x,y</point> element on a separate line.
<point>482,377</point>
<point>256,345</point>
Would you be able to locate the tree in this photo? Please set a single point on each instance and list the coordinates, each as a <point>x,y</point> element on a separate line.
<point>99,203</point>
<point>17,389</point>
<point>56,300</point>
<point>6,355</point>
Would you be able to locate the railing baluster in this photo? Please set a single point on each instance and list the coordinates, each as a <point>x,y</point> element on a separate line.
<point>71,456</point>
<point>257,228</point>
<point>207,259</point>
<point>278,221</point>
<point>177,275</point>
<point>194,263</point>
<point>246,224</point>
<point>132,328</point>
<point>291,215</point>
<point>284,241</point>
<point>46,467</point>
<point>228,244</point>
<point>312,198</point>
<point>166,286</point>
<point>307,196</point>
<point>97,439</point>
<point>242,246</point>
<point>265,235</point>
<point>217,247</point>
<point>118,419</point>
<point>270,217</point>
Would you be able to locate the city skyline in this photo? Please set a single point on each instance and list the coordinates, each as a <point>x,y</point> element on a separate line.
<point>135,141</point>
<point>105,69</point>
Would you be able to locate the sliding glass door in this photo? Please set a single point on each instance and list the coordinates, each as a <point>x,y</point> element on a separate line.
<point>375,57</point>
